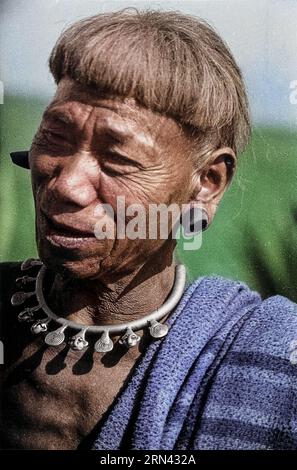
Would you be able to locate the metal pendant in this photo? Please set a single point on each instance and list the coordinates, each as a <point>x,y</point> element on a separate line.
<point>40,326</point>
<point>22,281</point>
<point>78,342</point>
<point>158,330</point>
<point>20,297</point>
<point>104,343</point>
<point>29,263</point>
<point>57,337</point>
<point>27,315</point>
<point>129,339</point>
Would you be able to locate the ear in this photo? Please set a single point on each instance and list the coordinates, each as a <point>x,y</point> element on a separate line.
<point>214,179</point>
<point>21,159</point>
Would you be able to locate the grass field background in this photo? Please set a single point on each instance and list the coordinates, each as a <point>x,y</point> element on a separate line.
<point>253,237</point>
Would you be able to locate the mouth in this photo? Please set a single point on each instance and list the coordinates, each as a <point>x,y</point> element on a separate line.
<point>66,236</point>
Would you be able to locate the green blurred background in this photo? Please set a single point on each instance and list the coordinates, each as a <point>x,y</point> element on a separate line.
<point>253,237</point>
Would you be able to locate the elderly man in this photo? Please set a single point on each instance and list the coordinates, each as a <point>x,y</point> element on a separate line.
<point>150,107</point>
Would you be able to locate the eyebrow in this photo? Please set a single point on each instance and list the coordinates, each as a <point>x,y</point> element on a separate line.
<point>113,131</point>
<point>117,134</point>
<point>121,135</point>
<point>59,116</point>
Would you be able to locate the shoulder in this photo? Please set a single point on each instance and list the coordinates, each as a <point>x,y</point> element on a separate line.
<point>268,326</point>
<point>277,309</point>
<point>272,329</point>
<point>217,292</point>
<point>218,286</point>
<point>280,308</point>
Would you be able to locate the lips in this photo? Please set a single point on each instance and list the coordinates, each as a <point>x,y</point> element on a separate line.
<point>66,236</point>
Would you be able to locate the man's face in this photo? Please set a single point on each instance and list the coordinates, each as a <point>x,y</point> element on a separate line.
<point>87,152</point>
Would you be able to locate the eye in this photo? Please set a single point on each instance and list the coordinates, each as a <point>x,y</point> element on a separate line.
<point>116,157</point>
<point>55,135</point>
<point>52,139</point>
<point>116,163</point>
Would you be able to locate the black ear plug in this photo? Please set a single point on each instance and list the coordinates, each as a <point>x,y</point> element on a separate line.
<point>21,159</point>
<point>229,162</point>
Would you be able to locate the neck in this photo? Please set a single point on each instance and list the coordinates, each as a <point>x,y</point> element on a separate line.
<point>132,296</point>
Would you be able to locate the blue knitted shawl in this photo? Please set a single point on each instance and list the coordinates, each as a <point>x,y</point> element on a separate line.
<point>223,378</point>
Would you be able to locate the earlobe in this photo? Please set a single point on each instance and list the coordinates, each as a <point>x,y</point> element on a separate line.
<point>21,159</point>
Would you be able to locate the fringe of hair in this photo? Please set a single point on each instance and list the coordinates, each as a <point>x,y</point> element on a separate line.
<point>172,63</point>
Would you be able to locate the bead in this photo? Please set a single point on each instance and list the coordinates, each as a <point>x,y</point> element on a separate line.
<point>40,326</point>
<point>129,339</point>
<point>27,315</point>
<point>78,342</point>
<point>55,338</point>
<point>104,343</point>
<point>29,263</point>
<point>158,330</point>
<point>20,297</point>
<point>22,281</point>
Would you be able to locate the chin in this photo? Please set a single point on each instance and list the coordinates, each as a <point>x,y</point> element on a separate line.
<point>71,263</point>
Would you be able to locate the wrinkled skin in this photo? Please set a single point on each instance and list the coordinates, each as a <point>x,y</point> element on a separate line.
<point>88,150</point>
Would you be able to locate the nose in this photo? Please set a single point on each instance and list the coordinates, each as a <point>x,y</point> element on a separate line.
<point>76,180</point>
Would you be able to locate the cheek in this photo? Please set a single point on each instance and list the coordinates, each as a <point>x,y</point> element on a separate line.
<point>43,166</point>
<point>156,185</point>
<point>127,186</point>
<point>42,170</point>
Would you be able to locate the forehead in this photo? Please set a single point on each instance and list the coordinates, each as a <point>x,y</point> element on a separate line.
<point>77,106</point>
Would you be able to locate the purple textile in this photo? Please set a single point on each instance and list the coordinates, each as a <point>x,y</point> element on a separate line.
<point>221,379</point>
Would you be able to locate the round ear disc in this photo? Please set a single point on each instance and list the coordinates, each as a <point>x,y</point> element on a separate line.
<point>21,159</point>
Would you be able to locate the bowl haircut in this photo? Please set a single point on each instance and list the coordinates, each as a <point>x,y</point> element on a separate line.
<point>171,63</point>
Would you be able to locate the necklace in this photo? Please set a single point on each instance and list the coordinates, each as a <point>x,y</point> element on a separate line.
<point>78,341</point>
